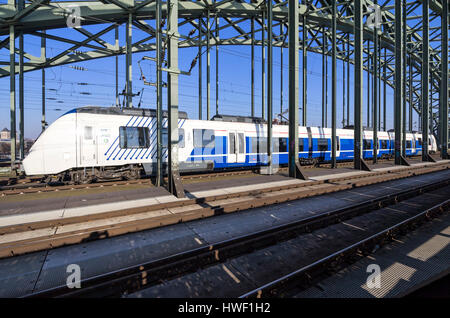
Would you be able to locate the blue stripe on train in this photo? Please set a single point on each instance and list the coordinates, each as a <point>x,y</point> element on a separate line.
<point>219,155</point>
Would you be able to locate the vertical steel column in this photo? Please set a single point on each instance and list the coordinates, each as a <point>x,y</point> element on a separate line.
<point>253,66</point>
<point>159,145</point>
<point>369,60</point>
<point>269,86</point>
<point>358,73</point>
<point>425,79</point>
<point>333,85</point>
<point>43,57</point>
<point>325,62</point>
<point>20,7</point>
<point>294,165</point>
<point>384,89</point>
<point>305,68</point>
<point>375,92</point>
<point>410,112</point>
<point>326,81</point>
<point>263,65</point>
<point>419,120</point>
<point>175,185</point>
<point>404,79</point>
<point>200,107</point>
<point>444,97</point>
<point>281,71</point>
<point>430,127</point>
<point>398,91</point>
<point>348,79</point>
<point>398,81</point>
<point>12,96</point>
<point>208,67</point>
<point>21,99</point>
<point>116,35</point>
<point>129,63</point>
<point>379,84</point>
<point>343,86</point>
<point>217,64</point>
<point>323,78</point>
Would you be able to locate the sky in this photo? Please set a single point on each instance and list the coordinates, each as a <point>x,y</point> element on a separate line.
<point>68,88</point>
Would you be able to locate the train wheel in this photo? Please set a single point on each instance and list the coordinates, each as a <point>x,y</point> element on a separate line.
<point>81,178</point>
<point>86,179</point>
<point>132,174</point>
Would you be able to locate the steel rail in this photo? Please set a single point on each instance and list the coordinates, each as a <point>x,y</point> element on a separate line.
<point>25,187</point>
<point>29,186</point>
<point>303,274</point>
<point>364,179</point>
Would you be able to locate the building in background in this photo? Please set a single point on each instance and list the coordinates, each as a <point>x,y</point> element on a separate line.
<point>5,144</point>
<point>5,134</point>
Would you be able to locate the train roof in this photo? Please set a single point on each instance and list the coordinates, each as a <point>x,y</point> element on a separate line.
<point>124,111</point>
<point>353,127</point>
<point>239,119</point>
<point>407,131</point>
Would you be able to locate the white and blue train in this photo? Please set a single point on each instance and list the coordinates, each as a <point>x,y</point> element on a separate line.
<point>90,143</point>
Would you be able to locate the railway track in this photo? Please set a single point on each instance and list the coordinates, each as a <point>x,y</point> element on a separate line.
<point>50,233</point>
<point>26,186</point>
<point>305,276</point>
<point>30,185</point>
<point>153,274</point>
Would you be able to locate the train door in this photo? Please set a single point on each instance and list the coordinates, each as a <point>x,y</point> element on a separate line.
<point>338,146</point>
<point>236,147</point>
<point>413,145</point>
<point>88,146</point>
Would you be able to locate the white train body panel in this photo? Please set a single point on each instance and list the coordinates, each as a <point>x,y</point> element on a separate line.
<point>55,150</point>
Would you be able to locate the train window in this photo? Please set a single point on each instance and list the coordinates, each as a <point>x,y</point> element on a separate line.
<point>367,144</point>
<point>275,145</point>
<point>384,144</point>
<point>259,145</point>
<point>254,144</point>
<point>241,142</point>
<point>301,145</point>
<point>232,141</point>
<point>338,144</point>
<point>87,132</point>
<point>279,144</point>
<point>165,137</point>
<point>262,144</point>
<point>408,144</point>
<point>134,137</point>
<point>204,138</point>
<point>180,137</point>
<point>322,144</point>
<point>283,145</point>
<point>419,141</point>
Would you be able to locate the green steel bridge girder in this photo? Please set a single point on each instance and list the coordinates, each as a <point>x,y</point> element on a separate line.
<point>43,15</point>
